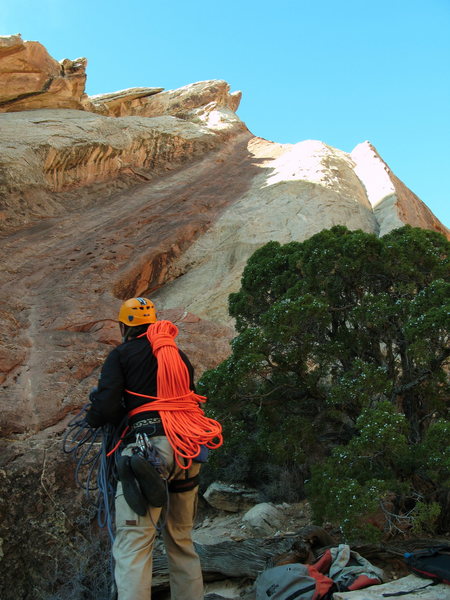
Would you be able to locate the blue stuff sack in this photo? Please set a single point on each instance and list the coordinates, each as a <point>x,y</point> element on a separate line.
<point>203,456</point>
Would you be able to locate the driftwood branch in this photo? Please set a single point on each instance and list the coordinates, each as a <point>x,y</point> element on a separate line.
<point>245,558</point>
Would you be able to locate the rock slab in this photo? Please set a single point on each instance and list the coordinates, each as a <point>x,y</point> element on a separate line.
<point>405,584</point>
<point>231,497</point>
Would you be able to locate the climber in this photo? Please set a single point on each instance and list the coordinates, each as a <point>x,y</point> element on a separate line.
<point>148,382</point>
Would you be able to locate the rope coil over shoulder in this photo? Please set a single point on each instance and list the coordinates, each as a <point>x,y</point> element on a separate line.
<point>185,424</point>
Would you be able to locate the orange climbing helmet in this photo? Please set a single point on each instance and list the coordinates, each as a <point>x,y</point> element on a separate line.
<point>137,311</point>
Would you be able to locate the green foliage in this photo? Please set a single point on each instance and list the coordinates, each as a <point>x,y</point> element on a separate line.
<point>352,486</point>
<point>424,517</point>
<point>434,452</point>
<point>341,351</point>
<point>352,482</point>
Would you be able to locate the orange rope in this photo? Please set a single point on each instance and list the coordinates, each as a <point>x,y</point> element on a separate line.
<point>124,432</point>
<point>185,424</point>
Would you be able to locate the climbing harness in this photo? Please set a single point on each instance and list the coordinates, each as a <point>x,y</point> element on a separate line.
<point>186,427</point>
<point>178,486</point>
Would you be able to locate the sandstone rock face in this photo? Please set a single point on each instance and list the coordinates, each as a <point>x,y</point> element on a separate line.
<point>62,279</point>
<point>45,152</point>
<point>393,203</point>
<point>123,102</point>
<point>30,78</point>
<point>56,319</point>
<point>299,191</point>
<point>180,102</point>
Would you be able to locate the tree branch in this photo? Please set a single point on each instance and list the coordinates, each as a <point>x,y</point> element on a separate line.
<point>425,374</point>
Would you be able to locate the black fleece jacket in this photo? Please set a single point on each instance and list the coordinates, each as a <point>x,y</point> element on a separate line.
<point>130,366</point>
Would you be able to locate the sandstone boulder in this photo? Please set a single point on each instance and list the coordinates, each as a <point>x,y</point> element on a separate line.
<point>30,78</point>
<point>231,497</point>
<point>263,519</point>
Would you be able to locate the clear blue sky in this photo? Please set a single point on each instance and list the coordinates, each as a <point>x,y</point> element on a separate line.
<point>338,71</point>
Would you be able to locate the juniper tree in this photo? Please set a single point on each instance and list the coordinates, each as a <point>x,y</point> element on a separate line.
<point>336,332</point>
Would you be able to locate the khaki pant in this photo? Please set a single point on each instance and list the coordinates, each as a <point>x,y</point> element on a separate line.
<point>135,537</point>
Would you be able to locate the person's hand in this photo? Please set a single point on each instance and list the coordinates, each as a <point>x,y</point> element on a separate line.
<point>93,419</point>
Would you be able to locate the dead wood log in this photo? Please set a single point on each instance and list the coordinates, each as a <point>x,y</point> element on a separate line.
<point>248,557</point>
<point>237,559</point>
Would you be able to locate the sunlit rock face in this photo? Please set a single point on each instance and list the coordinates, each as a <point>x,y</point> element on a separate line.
<point>122,102</point>
<point>51,159</point>
<point>297,191</point>
<point>392,202</point>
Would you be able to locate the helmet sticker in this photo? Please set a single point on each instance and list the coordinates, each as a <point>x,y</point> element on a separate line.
<point>141,300</point>
<point>130,317</point>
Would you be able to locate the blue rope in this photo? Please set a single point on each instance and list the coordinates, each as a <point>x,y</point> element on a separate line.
<point>94,471</point>
<point>107,480</point>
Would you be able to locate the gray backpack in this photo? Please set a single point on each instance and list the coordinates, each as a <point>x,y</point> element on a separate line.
<point>338,568</point>
<point>286,582</point>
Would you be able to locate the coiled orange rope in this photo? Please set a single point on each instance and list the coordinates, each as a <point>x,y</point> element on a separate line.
<point>185,424</point>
